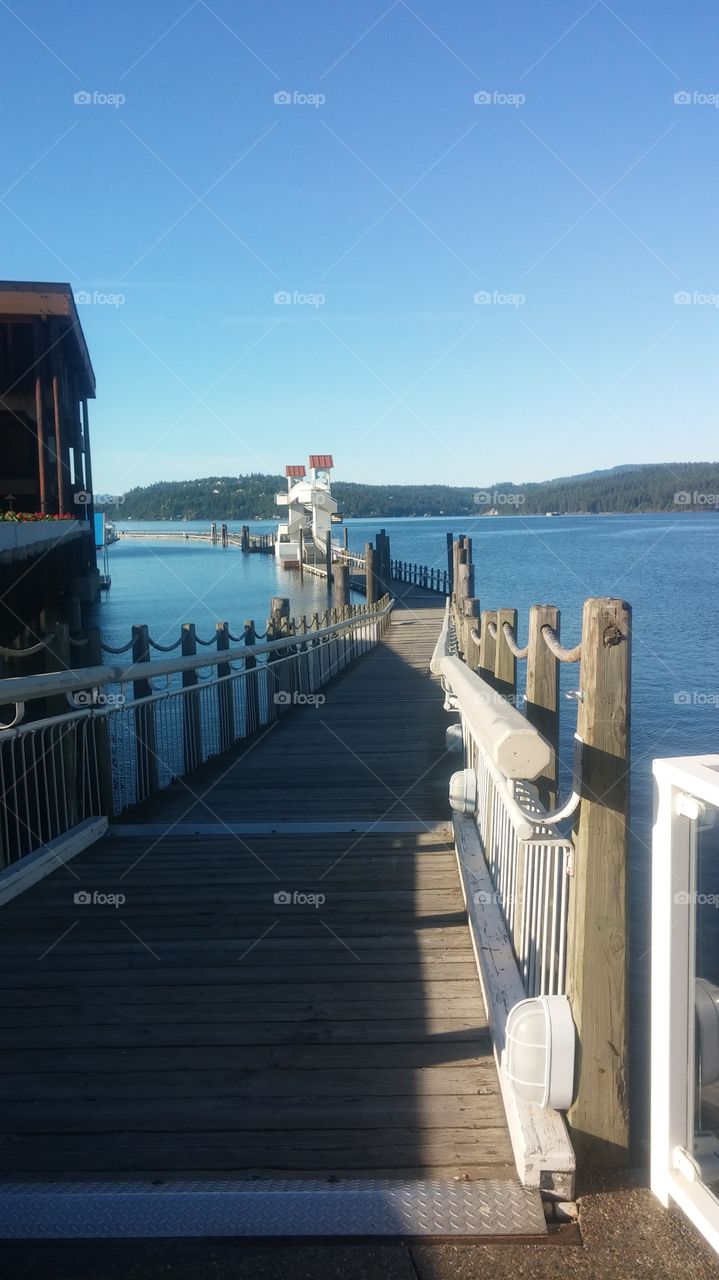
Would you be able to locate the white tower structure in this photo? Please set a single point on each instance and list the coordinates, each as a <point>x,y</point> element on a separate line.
<point>311,511</point>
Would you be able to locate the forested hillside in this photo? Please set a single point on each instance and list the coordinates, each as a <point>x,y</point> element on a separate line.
<point>653,487</point>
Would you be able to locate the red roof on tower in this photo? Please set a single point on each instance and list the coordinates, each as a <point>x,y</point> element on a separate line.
<point>295,473</point>
<point>321,461</point>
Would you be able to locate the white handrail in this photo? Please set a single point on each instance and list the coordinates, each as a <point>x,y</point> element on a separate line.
<point>514,745</point>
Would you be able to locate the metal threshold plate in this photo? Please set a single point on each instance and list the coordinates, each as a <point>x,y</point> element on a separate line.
<point>280,1210</point>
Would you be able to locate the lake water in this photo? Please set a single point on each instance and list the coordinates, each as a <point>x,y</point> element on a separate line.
<point>665,566</point>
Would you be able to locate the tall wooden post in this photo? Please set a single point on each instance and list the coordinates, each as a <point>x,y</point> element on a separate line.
<point>58,658</point>
<point>542,689</point>
<point>39,358</point>
<point>301,553</point>
<point>328,560</point>
<point>597,944</point>
<point>487,647</point>
<point>190,705</point>
<point>93,658</point>
<point>225,704</point>
<point>62,452</point>
<point>370,581</point>
<point>505,663</point>
<point>345,537</point>
<point>342,585</point>
<point>252,701</point>
<point>145,739</point>
<point>450,562</point>
<point>472,610</point>
<point>88,462</point>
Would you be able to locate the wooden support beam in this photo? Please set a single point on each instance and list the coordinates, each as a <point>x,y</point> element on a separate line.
<point>145,737</point>
<point>597,948</point>
<point>487,647</point>
<point>370,581</point>
<point>342,585</point>
<point>252,700</point>
<point>542,690</point>
<point>225,704</point>
<point>190,705</point>
<point>505,663</point>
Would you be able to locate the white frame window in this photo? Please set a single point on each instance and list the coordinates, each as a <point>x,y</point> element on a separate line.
<point>685,786</point>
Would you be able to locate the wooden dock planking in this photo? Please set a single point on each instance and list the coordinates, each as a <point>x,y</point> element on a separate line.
<point>201,1029</point>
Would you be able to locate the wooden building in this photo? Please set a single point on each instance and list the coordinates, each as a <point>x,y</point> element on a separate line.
<point>46,380</point>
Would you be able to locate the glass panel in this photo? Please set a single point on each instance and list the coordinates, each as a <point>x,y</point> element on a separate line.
<point>704,1120</point>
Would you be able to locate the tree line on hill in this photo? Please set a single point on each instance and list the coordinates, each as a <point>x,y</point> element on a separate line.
<point>681,486</point>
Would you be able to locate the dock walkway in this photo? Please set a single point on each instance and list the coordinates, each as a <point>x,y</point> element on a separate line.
<point>288,989</point>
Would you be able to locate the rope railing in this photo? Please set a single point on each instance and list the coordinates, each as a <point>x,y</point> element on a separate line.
<point>551,639</point>
<point>12,655</point>
<point>109,648</point>
<point>131,730</point>
<point>164,648</point>
<point>510,637</point>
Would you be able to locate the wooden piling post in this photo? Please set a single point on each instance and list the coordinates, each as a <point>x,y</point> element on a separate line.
<point>342,585</point>
<point>145,737</point>
<point>225,703</point>
<point>597,943</point>
<point>301,553</point>
<point>58,658</point>
<point>370,581</point>
<point>252,701</point>
<point>190,705</point>
<point>328,560</point>
<point>487,647</point>
<point>542,690</point>
<point>505,663</point>
<point>471,610</point>
<point>450,562</point>
<point>93,658</point>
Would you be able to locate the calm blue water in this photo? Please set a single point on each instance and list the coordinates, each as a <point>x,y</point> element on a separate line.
<point>666,567</point>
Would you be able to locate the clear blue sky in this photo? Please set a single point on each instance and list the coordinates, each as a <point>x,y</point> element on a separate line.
<point>397,199</point>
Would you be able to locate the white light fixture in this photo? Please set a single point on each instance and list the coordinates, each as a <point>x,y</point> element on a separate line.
<point>453,740</point>
<point>538,1058</point>
<point>463,791</point>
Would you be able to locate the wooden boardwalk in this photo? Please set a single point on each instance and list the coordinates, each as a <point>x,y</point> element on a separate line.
<point>274,1004</point>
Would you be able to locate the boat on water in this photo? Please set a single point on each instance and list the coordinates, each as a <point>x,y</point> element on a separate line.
<point>310,512</point>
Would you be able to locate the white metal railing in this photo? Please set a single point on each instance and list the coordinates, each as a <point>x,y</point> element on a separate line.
<point>130,731</point>
<point>529,860</point>
<point>685,989</point>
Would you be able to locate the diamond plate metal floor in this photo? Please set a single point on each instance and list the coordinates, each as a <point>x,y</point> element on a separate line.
<point>420,1210</point>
